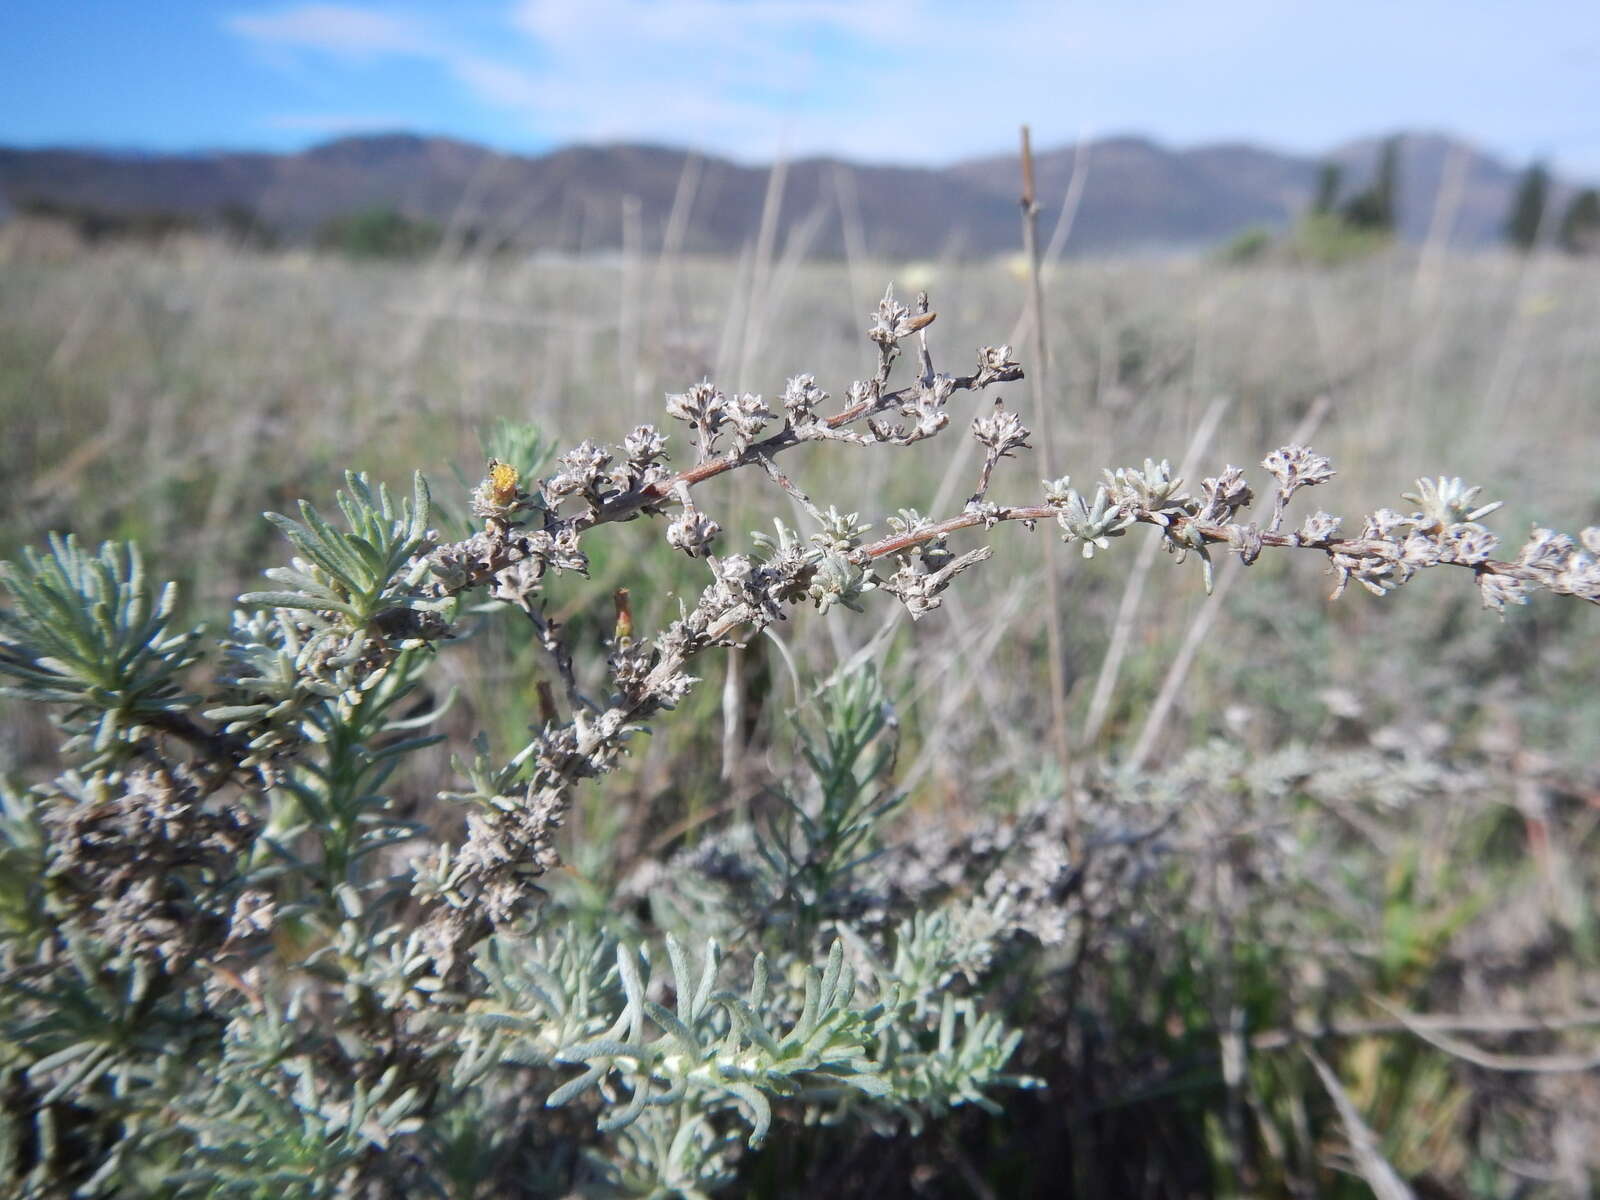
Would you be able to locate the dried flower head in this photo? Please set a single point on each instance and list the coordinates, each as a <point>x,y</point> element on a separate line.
<point>584,473</point>
<point>893,321</point>
<point>1580,577</point>
<point>746,416</point>
<point>1546,551</point>
<point>1384,523</point>
<point>1319,527</point>
<point>1294,467</point>
<point>1497,591</point>
<point>995,365</point>
<point>645,445</point>
<point>802,398</point>
<point>1001,431</point>
<point>1297,466</point>
<point>692,532</point>
<point>1222,497</point>
<point>701,406</point>
<point>704,408</point>
<point>1468,543</point>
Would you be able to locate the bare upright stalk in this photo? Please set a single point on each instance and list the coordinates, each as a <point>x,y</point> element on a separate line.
<point>758,300</point>
<point>1037,376</point>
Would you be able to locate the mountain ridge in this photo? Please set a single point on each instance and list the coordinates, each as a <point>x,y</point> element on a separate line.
<point>1139,195</point>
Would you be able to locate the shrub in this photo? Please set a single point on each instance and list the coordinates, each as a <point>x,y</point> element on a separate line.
<point>1329,240</point>
<point>95,224</point>
<point>1246,247</point>
<point>234,965</point>
<point>1378,207</point>
<point>1580,224</point>
<point>378,233</point>
<point>1526,216</point>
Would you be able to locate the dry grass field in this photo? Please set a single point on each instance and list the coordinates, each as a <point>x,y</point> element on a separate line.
<point>173,398</point>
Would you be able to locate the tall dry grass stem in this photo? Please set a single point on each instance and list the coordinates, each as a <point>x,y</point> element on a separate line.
<point>1043,407</point>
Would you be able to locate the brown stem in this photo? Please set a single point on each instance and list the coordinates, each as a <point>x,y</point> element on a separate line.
<point>221,748</point>
<point>1213,534</point>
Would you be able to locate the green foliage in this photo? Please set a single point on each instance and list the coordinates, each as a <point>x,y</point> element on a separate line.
<point>1332,232</point>
<point>1377,207</point>
<point>1333,240</point>
<point>355,575</point>
<point>1248,246</point>
<point>88,632</point>
<point>813,847</point>
<point>378,233</point>
<point>1525,220</point>
<point>1330,176</point>
<point>94,224</point>
<point>525,446</point>
<point>1580,224</point>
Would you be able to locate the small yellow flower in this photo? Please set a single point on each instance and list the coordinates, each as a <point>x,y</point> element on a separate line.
<point>624,629</point>
<point>502,482</point>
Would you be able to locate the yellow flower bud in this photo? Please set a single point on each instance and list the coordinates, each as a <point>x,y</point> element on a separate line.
<point>502,482</point>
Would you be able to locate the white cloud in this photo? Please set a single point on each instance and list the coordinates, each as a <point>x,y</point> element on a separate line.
<point>898,79</point>
<point>908,80</point>
<point>333,29</point>
<point>735,75</point>
<point>705,27</point>
<point>887,79</point>
<point>348,32</point>
<point>937,80</point>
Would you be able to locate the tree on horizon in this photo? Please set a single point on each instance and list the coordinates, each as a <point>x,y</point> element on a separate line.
<point>1580,224</point>
<point>1525,219</point>
<point>1376,207</point>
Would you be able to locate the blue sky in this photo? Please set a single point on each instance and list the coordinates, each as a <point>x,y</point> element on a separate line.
<point>925,81</point>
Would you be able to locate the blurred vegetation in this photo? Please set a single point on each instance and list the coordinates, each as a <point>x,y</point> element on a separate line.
<point>1248,246</point>
<point>1332,239</point>
<point>1580,224</point>
<point>95,225</point>
<point>1525,220</point>
<point>1377,207</point>
<point>1338,228</point>
<point>245,228</point>
<point>379,232</point>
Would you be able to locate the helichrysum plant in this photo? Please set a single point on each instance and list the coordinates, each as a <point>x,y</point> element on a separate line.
<point>229,965</point>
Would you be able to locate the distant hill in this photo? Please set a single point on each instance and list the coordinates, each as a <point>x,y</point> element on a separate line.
<point>1139,196</point>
